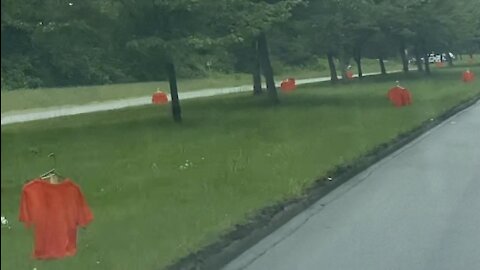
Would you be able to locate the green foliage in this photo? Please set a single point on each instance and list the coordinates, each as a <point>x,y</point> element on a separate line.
<point>60,43</point>
<point>17,72</point>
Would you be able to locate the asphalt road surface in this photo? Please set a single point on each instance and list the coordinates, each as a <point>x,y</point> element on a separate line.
<point>417,209</point>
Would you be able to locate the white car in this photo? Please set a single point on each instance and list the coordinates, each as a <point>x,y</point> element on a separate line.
<point>436,58</point>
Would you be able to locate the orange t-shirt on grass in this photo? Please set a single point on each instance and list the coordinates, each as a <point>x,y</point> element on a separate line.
<point>54,211</point>
<point>399,96</point>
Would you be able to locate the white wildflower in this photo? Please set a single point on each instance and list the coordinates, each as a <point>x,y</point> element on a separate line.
<point>4,221</point>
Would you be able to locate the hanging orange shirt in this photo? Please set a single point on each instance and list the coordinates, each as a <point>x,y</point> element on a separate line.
<point>54,211</point>
<point>400,96</point>
<point>349,75</point>
<point>468,76</point>
<point>396,96</point>
<point>288,85</point>
<point>159,98</point>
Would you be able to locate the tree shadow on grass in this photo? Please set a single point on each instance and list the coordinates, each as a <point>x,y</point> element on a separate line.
<point>290,102</point>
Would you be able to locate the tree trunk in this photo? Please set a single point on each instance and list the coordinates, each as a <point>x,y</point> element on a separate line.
<point>404,57</point>
<point>358,61</point>
<point>172,80</point>
<point>257,78</point>
<point>418,59</point>
<point>266,67</point>
<point>449,60</point>
<point>333,69</point>
<point>427,64</point>
<point>357,56</point>
<point>382,66</point>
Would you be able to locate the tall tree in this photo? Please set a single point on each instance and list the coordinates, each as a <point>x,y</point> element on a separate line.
<point>340,28</point>
<point>267,66</point>
<point>393,18</point>
<point>251,20</point>
<point>380,47</point>
<point>173,31</point>
<point>256,70</point>
<point>429,25</point>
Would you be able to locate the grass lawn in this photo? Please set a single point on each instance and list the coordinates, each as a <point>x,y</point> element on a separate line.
<point>245,154</point>
<point>50,97</point>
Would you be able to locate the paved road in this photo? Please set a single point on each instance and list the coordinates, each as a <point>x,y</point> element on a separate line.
<point>417,209</point>
<point>52,112</point>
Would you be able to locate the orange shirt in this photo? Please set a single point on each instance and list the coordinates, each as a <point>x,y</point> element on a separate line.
<point>349,75</point>
<point>468,76</point>
<point>396,96</point>
<point>400,96</point>
<point>288,85</point>
<point>54,211</point>
<point>159,98</point>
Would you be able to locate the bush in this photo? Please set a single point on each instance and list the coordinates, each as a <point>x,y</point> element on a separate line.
<point>17,72</point>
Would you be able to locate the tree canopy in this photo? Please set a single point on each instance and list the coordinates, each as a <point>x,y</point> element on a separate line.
<point>71,42</point>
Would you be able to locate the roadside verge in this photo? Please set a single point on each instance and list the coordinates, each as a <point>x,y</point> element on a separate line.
<point>267,220</point>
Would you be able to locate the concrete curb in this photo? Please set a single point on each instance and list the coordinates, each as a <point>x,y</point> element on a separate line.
<point>269,219</point>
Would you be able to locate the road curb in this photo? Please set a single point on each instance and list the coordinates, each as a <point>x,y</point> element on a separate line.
<point>269,219</point>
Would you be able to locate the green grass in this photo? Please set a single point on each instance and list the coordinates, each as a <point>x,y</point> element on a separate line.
<point>466,60</point>
<point>246,154</point>
<point>50,97</point>
<point>25,99</point>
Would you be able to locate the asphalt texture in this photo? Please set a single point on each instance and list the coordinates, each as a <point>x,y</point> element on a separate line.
<point>417,209</point>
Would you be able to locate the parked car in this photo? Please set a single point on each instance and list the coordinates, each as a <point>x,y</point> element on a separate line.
<point>433,58</point>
